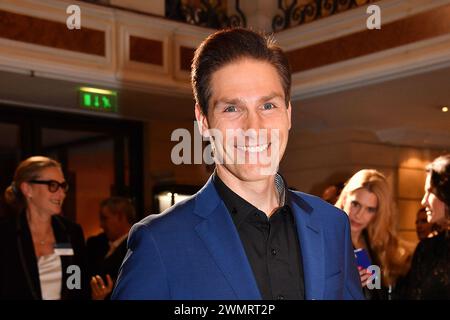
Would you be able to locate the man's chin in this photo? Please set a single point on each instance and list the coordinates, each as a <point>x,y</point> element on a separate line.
<point>253,172</point>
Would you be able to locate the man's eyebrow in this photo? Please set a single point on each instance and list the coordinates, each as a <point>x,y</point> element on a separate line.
<point>236,101</point>
<point>227,101</point>
<point>271,96</point>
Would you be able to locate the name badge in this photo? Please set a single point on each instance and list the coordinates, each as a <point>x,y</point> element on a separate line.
<point>63,249</point>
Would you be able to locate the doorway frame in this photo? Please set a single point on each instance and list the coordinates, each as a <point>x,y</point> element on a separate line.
<point>31,121</point>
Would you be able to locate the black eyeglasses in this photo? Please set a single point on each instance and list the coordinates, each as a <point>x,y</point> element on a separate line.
<point>52,185</point>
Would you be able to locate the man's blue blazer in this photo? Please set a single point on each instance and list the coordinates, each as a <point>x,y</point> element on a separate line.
<point>193,251</point>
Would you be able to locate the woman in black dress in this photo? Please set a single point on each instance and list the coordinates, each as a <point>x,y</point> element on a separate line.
<point>430,268</point>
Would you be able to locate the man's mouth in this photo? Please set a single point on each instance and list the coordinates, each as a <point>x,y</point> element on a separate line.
<point>258,148</point>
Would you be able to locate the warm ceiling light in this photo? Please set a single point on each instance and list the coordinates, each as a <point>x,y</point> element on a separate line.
<point>444,109</point>
<point>98,91</point>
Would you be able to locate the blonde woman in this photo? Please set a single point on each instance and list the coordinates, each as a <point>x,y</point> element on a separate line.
<point>38,246</point>
<point>367,199</point>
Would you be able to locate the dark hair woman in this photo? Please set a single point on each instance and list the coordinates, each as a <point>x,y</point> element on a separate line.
<point>429,277</point>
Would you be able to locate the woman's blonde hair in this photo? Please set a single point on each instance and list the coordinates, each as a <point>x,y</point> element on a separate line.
<point>381,231</point>
<point>28,169</point>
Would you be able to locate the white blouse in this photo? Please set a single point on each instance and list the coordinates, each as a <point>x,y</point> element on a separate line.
<point>50,276</point>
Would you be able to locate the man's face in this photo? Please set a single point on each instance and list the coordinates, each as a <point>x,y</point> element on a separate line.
<point>111,223</point>
<point>248,109</point>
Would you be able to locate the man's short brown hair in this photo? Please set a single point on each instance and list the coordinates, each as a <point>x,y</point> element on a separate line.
<point>226,46</point>
<point>120,205</point>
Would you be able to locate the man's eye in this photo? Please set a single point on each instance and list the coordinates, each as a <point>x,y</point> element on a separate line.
<point>231,109</point>
<point>268,106</point>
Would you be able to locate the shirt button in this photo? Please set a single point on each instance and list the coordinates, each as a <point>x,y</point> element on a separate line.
<point>280,297</point>
<point>274,252</point>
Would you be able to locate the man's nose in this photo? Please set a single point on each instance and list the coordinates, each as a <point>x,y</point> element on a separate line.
<point>253,121</point>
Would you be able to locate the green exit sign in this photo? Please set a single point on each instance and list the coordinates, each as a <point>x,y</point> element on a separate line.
<point>98,99</point>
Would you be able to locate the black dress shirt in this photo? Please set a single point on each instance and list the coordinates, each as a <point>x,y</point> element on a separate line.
<point>271,244</point>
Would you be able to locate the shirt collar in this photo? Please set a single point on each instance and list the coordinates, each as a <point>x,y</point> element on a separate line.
<point>117,242</point>
<point>281,188</point>
<point>238,207</point>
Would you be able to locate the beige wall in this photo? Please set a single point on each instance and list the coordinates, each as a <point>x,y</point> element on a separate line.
<point>93,166</point>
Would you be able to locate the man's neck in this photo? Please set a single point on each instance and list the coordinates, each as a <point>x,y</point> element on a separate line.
<point>262,193</point>
<point>120,237</point>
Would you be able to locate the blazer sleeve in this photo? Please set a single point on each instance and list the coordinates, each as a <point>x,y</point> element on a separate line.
<point>353,289</point>
<point>142,275</point>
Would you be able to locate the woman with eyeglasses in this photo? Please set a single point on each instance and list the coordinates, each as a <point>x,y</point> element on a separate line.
<point>42,253</point>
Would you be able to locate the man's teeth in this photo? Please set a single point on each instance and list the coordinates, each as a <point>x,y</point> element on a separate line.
<point>253,148</point>
<point>57,202</point>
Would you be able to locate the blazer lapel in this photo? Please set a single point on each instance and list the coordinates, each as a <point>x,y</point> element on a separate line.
<point>312,247</point>
<point>27,256</point>
<point>219,234</point>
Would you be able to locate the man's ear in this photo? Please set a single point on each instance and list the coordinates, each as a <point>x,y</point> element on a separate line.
<point>289,110</point>
<point>202,121</point>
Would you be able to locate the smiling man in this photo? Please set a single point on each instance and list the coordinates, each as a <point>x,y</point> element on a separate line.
<point>244,235</point>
